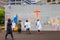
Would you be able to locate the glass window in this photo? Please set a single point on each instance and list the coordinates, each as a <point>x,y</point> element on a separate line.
<point>12,0</point>
<point>27,1</point>
<point>18,0</point>
<point>53,0</point>
<point>12,3</point>
<point>48,0</point>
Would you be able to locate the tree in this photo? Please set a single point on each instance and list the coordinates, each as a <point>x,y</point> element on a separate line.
<point>2,16</point>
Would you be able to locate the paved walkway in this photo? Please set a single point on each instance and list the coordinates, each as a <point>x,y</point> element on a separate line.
<point>23,36</point>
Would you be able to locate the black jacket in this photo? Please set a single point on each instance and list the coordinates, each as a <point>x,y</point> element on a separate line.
<point>9,28</point>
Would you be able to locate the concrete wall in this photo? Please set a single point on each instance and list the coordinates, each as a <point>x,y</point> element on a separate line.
<point>27,12</point>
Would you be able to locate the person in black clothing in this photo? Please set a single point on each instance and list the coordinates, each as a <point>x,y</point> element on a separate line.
<point>9,29</point>
<point>19,26</point>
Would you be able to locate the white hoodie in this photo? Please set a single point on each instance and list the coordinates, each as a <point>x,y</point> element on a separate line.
<point>13,25</point>
<point>38,25</point>
<point>27,24</point>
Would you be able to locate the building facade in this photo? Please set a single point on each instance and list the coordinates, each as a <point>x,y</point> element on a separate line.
<point>33,1</point>
<point>3,3</point>
<point>25,10</point>
<point>47,12</point>
<point>21,2</point>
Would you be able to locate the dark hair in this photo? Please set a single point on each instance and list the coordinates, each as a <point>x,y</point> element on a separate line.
<point>26,20</point>
<point>9,20</point>
<point>37,19</point>
<point>19,20</point>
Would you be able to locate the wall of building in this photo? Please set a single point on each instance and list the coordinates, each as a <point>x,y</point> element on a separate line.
<point>2,3</point>
<point>27,12</point>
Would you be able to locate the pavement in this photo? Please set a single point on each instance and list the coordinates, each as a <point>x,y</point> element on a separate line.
<point>44,35</point>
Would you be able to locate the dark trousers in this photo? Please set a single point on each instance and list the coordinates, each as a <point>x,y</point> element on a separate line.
<point>19,30</point>
<point>7,35</point>
<point>38,30</point>
<point>28,31</point>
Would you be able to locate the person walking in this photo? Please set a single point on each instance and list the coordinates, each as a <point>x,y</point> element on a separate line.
<point>27,26</point>
<point>38,26</point>
<point>19,26</point>
<point>13,25</point>
<point>9,29</point>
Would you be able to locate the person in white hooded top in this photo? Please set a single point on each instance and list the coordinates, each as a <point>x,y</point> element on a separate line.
<point>13,25</point>
<point>38,25</point>
<point>27,26</point>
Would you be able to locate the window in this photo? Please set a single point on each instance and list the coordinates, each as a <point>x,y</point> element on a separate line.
<point>48,0</point>
<point>18,0</point>
<point>53,0</point>
<point>12,0</point>
<point>27,1</point>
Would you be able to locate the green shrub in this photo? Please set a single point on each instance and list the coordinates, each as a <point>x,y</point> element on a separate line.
<point>2,16</point>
